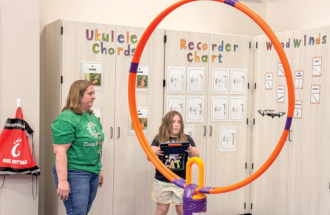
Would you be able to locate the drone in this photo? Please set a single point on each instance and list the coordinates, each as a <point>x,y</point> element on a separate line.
<point>271,113</point>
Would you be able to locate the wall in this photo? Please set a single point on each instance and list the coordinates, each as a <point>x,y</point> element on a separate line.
<point>19,78</point>
<point>284,15</point>
<point>203,16</point>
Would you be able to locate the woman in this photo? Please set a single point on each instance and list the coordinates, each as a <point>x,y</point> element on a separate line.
<point>164,192</point>
<point>77,144</point>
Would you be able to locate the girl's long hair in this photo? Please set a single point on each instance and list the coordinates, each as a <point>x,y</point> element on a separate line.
<point>76,91</point>
<point>165,128</point>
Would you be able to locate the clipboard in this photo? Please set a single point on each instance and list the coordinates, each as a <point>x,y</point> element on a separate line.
<point>174,155</point>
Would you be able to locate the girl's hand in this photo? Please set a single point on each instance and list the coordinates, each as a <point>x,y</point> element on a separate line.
<point>157,150</point>
<point>101,178</point>
<point>189,150</point>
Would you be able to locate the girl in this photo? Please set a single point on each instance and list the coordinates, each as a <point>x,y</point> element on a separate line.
<point>164,192</point>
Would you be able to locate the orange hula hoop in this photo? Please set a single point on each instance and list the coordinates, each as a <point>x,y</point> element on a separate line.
<point>133,108</point>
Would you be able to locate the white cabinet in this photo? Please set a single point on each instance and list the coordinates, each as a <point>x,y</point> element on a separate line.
<point>128,174</point>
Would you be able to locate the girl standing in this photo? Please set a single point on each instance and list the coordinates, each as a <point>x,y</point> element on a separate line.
<point>164,192</point>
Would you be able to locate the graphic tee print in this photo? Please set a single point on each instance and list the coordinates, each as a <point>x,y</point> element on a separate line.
<point>175,162</point>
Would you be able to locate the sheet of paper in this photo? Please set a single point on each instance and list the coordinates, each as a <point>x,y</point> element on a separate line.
<point>93,72</point>
<point>219,108</point>
<point>190,130</point>
<point>176,103</point>
<point>317,66</point>
<point>142,79</point>
<point>176,77</point>
<point>97,110</point>
<point>315,93</point>
<point>280,94</point>
<point>195,109</point>
<point>269,81</point>
<point>238,81</point>
<point>220,78</point>
<point>196,80</point>
<point>228,138</point>
<point>237,109</point>
<point>143,113</point>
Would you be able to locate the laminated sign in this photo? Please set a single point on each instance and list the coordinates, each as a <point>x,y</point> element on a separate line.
<point>15,153</point>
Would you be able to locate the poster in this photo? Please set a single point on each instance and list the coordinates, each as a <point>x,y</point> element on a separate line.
<point>237,109</point>
<point>176,103</point>
<point>195,109</point>
<point>228,138</point>
<point>196,80</point>
<point>176,79</point>
<point>93,72</point>
<point>220,78</point>
<point>142,79</point>
<point>143,118</point>
<point>219,108</point>
<point>238,81</point>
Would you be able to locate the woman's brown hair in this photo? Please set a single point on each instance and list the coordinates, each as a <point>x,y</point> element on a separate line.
<point>164,129</point>
<point>76,91</point>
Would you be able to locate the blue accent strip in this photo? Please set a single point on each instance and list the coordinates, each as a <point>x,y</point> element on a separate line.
<point>288,123</point>
<point>179,182</point>
<point>134,67</point>
<point>231,2</point>
<point>205,190</point>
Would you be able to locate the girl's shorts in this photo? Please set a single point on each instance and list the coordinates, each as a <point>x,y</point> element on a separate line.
<point>165,193</point>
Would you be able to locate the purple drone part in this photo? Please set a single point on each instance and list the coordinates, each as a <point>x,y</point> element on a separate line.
<point>191,205</point>
<point>134,67</point>
<point>179,182</point>
<point>205,190</point>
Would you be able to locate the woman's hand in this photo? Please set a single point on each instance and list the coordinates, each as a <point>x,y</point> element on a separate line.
<point>101,178</point>
<point>63,190</point>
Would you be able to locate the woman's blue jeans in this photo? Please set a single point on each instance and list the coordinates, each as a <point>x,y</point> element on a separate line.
<point>83,186</point>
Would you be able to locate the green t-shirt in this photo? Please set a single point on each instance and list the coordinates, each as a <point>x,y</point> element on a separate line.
<point>84,132</point>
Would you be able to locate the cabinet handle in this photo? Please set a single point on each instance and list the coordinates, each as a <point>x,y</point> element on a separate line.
<point>204,131</point>
<point>290,138</point>
<point>118,129</point>
<point>111,131</point>
<point>210,131</point>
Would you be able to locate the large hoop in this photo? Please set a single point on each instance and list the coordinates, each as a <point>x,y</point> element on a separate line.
<point>133,109</point>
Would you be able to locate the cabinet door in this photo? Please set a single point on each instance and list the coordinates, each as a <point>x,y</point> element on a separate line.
<point>79,39</point>
<point>308,178</point>
<point>269,192</point>
<point>133,173</point>
<point>186,55</point>
<point>228,107</point>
